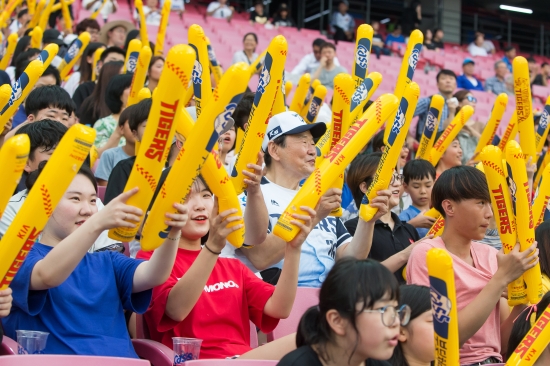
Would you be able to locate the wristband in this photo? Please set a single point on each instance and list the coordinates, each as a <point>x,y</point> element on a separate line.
<point>211,251</point>
<point>174,239</point>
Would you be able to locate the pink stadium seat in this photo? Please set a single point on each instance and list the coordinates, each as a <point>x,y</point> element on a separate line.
<point>540,92</point>
<point>101,192</point>
<point>8,347</point>
<point>235,362</point>
<point>65,360</point>
<point>156,353</point>
<point>306,297</point>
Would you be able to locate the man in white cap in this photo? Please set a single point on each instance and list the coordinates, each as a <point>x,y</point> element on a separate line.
<point>290,155</point>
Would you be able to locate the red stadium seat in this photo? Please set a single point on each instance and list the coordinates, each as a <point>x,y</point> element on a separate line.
<point>8,347</point>
<point>66,360</point>
<point>101,192</point>
<point>156,353</point>
<point>235,362</point>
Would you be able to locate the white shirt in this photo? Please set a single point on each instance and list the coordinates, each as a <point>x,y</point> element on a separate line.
<point>151,17</point>
<point>309,64</point>
<point>222,12</point>
<point>73,83</point>
<point>476,50</point>
<point>240,56</point>
<point>176,5</point>
<point>109,8</point>
<point>14,26</point>
<point>17,200</point>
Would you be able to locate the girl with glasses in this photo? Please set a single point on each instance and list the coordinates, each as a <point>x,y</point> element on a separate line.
<point>392,238</point>
<point>356,320</point>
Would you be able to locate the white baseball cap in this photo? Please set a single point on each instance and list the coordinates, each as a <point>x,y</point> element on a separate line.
<point>291,123</point>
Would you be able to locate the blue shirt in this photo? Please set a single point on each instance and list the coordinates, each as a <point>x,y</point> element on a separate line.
<point>84,315</point>
<point>508,63</point>
<point>463,82</point>
<point>410,213</point>
<point>391,38</point>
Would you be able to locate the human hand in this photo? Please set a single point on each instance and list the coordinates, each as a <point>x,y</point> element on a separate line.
<point>421,221</point>
<point>382,203</point>
<point>305,227</point>
<point>177,220</point>
<point>512,265</point>
<point>254,178</point>
<point>452,103</point>
<point>7,128</point>
<point>219,227</point>
<point>531,168</point>
<point>323,61</point>
<point>117,213</point>
<point>5,302</point>
<point>329,202</point>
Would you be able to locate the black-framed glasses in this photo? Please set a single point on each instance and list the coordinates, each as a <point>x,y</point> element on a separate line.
<point>389,314</point>
<point>471,99</point>
<point>397,177</point>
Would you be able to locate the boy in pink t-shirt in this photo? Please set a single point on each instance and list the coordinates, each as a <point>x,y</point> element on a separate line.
<point>482,274</point>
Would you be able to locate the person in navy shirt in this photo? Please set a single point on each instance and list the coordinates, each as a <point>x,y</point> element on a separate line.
<point>467,80</point>
<point>79,297</point>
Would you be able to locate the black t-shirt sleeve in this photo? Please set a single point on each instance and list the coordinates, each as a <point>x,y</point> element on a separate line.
<point>118,179</point>
<point>301,356</point>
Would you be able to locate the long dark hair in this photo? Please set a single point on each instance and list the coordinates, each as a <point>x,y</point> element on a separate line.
<point>418,299</point>
<point>542,236</point>
<point>95,103</point>
<point>522,324</point>
<point>22,45</point>
<point>349,282</point>
<point>85,67</point>
<point>362,169</point>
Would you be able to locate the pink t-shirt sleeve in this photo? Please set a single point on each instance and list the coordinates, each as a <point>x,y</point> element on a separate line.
<point>417,269</point>
<point>258,293</point>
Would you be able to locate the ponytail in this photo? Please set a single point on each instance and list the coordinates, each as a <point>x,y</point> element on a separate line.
<point>313,330</point>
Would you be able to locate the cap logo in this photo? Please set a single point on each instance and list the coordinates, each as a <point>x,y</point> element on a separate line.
<point>274,132</point>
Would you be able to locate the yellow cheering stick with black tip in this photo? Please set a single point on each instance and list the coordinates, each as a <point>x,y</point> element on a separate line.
<point>544,125</point>
<point>315,104</point>
<point>491,157</point>
<point>490,129</point>
<point>12,42</point>
<point>159,132</point>
<point>140,74</point>
<point>521,195</point>
<point>36,37</point>
<point>48,53</point>
<point>202,85</point>
<point>161,35</point>
<point>20,90</point>
<point>363,44</point>
<point>73,54</point>
<point>444,307</point>
<point>142,23</point>
<point>396,138</point>
<point>300,93</point>
<point>132,54</point>
<point>13,158</point>
<point>430,127</point>
<point>524,107</point>
<point>97,56</point>
<point>408,66</point>
<point>214,64</point>
<point>362,95</point>
<point>450,133</point>
<point>535,341</point>
<point>314,84</point>
<point>191,159</point>
<point>335,163</point>
<point>541,203</point>
<point>264,99</point>
<point>50,186</point>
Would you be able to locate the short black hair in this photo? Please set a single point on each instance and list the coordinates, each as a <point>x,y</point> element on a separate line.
<point>319,42</point>
<point>109,50</point>
<point>48,96</point>
<point>458,184</point>
<point>445,72</point>
<point>21,46</point>
<point>140,113</point>
<point>509,48</point>
<point>115,89</point>
<point>22,13</point>
<point>87,23</point>
<point>280,141</point>
<point>242,111</point>
<point>45,133</point>
<point>418,169</point>
<point>531,59</point>
<point>328,45</point>
<point>50,70</point>
<point>378,141</point>
<point>544,64</point>
<point>125,115</point>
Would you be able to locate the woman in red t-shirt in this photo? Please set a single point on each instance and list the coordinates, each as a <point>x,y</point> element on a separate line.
<point>214,298</point>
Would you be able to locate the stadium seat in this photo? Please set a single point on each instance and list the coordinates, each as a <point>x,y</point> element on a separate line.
<point>101,192</point>
<point>8,347</point>
<point>235,362</point>
<point>156,353</point>
<point>306,297</point>
<point>66,360</point>
<point>540,92</point>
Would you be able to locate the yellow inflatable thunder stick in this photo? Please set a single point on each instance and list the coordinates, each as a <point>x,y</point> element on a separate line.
<point>156,141</point>
<point>524,107</point>
<point>12,42</point>
<point>73,54</point>
<point>8,10</point>
<point>542,130</point>
<point>437,228</point>
<point>315,104</point>
<point>510,133</point>
<point>214,64</point>
<point>450,134</point>
<point>215,176</point>
<point>36,37</point>
<point>144,93</point>
<point>66,15</point>
<point>5,94</point>
<point>140,74</point>
<point>408,66</point>
<point>96,13</point>
<point>335,163</point>
<point>161,34</point>
<point>432,212</point>
<point>362,95</point>
<point>42,199</point>
<point>540,205</point>
<point>490,129</point>
<point>142,24</point>
<point>202,85</point>
<point>444,307</point>
<point>192,157</point>
<point>20,90</point>
<point>399,129</point>
<point>491,158</point>
<point>36,17</point>
<point>97,56</point>
<point>257,65</point>
<point>13,157</point>
<point>57,7</point>
<point>264,99</point>
<point>279,106</point>
<point>534,342</point>
<point>430,127</point>
<point>300,93</point>
<point>45,16</point>
<point>519,186</point>
<point>363,44</point>
<point>48,53</point>
<point>31,6</point>
<point>288,88</point>
<point>132,55</point>
<point>314,84</point>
